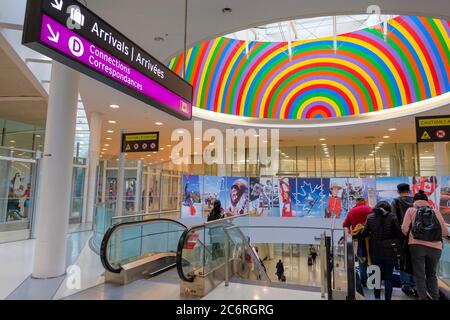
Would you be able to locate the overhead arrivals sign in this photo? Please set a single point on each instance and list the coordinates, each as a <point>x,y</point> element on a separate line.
<point>140,142</point>
<point>70,33</point>
<point>433,129</point>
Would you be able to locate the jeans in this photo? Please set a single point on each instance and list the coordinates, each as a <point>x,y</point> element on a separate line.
<point>425,262</point>
<point>363,271</point>
<point>386,265</point>
<point>361,254</point>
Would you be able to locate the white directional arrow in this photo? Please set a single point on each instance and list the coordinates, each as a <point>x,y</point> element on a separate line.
<point>57,4</point>
<point>54,37</point>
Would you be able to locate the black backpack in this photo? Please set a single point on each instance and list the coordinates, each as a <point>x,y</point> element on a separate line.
<point>426,226</point>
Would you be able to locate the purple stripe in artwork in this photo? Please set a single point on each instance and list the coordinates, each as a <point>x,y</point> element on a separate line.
<point>58,37</point>
<point>315,104</point>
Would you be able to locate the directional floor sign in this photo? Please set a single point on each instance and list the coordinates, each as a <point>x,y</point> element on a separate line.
<point>433,129</point>
<point>70,33</point>
<point>140,142</point>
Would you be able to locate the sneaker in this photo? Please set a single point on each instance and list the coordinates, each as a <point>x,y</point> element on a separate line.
<point>415,293</point>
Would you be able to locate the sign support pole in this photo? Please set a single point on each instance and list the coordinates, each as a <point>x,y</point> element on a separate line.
<point>138,195</point>
<point>120,182</point>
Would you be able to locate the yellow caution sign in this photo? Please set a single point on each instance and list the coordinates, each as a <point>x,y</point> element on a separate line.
<point>426,136</point>
<point>128,148</point>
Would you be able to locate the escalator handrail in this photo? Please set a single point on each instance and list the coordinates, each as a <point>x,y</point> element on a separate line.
<point>351,281</point>
<point>182,242</point>
<point>183,239</point>
<point>112,229</point>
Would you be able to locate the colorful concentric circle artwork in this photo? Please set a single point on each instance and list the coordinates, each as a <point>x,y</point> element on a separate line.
<point>366,73</point>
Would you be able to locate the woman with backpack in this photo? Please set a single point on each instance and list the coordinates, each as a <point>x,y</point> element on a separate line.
<point>424,228</point>
<point>383,229</point>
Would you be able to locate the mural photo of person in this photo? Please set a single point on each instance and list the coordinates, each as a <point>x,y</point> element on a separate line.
<point>431,188</point>
<point>238,199</point>
<point>191,200</point>
<point>286,203</point>
<point>312,196</point>
<point>334,208</point>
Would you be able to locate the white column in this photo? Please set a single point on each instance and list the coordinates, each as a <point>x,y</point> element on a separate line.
<point>95,128</point>
<point>56,182</point>
<point>441,158</point>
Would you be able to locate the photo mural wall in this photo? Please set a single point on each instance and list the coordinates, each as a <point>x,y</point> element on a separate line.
<point>301,197</point>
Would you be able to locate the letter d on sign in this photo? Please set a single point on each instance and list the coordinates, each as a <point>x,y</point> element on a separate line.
<point>73,281</point>
<point>373,277</point>
<point>76,47</point>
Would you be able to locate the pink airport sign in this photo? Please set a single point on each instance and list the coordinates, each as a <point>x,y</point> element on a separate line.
<point>58,37</point>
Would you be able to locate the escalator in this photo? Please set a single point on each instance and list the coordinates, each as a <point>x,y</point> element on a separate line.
<point>133,250</point>
<point>214,252</point>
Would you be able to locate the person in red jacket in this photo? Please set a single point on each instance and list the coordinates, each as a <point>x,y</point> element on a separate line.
<point>356,218</point>
<point>357,215</point>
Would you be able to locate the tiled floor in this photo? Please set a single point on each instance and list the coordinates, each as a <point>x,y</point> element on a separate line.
<point>16,266</point>
<point>238,291</point>
<point>165,286</point>
<point>15,277</point>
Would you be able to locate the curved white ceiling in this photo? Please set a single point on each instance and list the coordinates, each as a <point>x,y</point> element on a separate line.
<point>143,20</point>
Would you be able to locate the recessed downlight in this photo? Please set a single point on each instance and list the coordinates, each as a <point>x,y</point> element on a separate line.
<point>227,10</point>
<point>322,139</point>
<point>159,123</point>
<point>110,131</point>
<point>393,129</point>
<point>112,121</point>
<point>114,106</point>
<point>386,137</point>
<point>109,139</point>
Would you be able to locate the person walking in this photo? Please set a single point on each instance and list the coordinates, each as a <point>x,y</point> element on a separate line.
<point>216,233</point>
<point>313,254</point>
<point>400,205</point>
<point>280,270</point>
<point>353,224</point>
<point>384,230</point>
<point>424,228</point>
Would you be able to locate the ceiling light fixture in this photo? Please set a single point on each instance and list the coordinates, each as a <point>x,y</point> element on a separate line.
<point>227,10</point>
<point>159,123</point>
<point>159,39</point>
<point>322,139</point>
<point>114,106</point>
<point>393,129</point>
<point>112,121</point>
<point>386,137</point>
<point>110,131</point>
<point>108,138</point>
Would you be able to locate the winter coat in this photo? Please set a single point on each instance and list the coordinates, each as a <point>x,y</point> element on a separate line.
<point>381,225</point>
<point>400,205</point>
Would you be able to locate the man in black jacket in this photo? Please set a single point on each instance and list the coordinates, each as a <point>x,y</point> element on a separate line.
<point>399,206</point>
<point>384,231</point>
